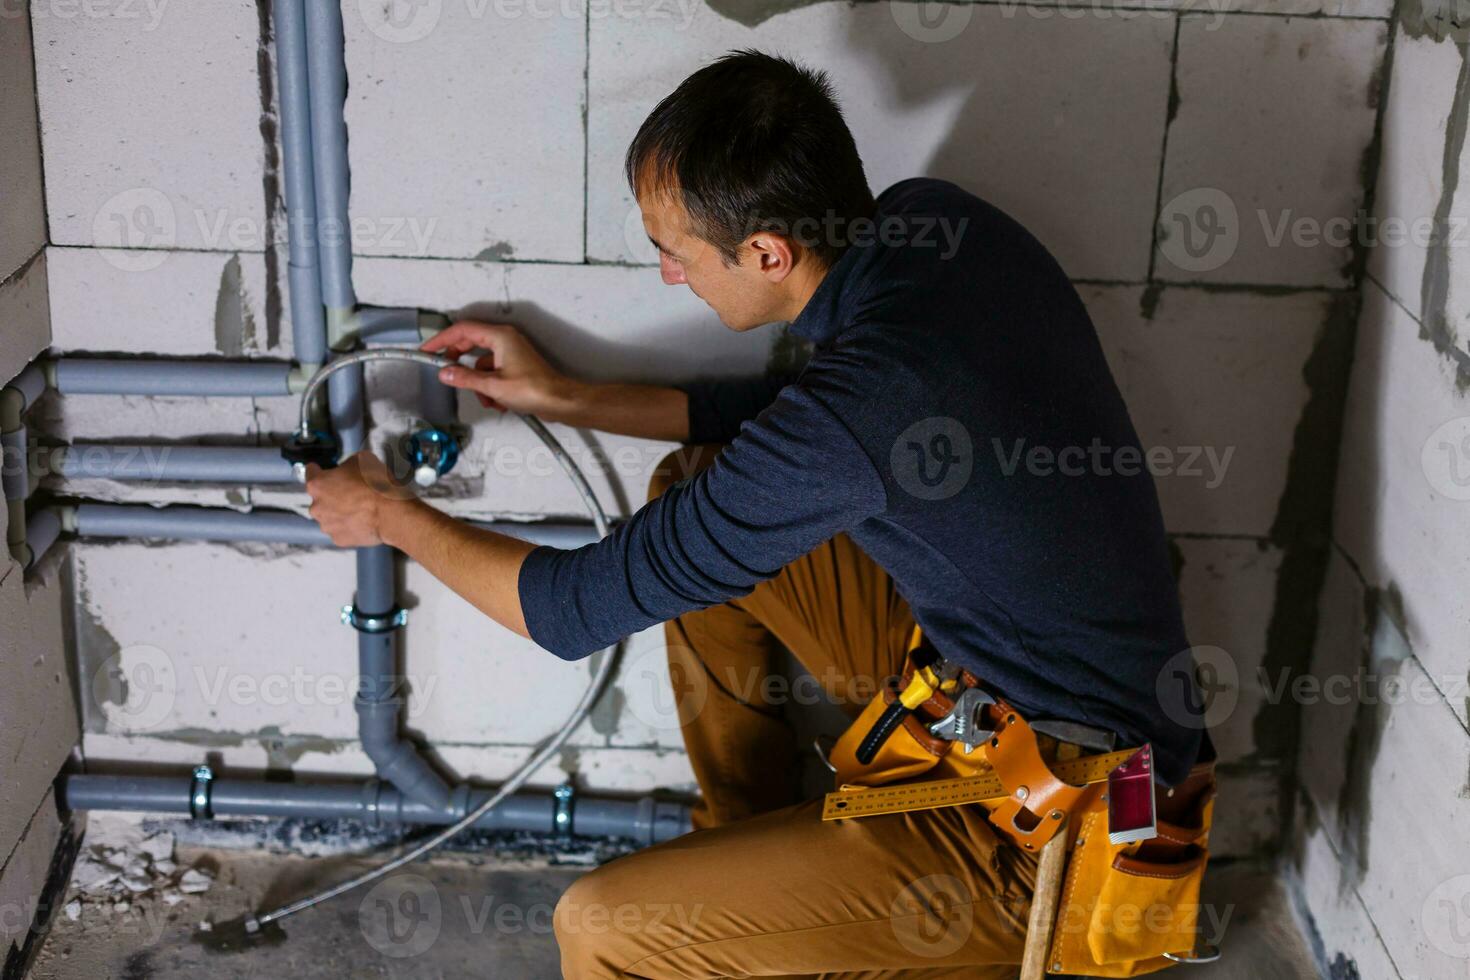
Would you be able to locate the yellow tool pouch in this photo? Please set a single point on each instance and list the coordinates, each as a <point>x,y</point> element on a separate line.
<point>1124,906</point>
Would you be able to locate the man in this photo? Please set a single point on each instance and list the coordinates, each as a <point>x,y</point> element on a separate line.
<point>954,455</point>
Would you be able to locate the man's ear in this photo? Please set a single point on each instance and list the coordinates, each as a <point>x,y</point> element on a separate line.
<point>774,254</point>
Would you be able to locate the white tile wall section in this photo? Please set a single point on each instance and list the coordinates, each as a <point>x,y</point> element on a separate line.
<point>1228,589</point>
<point>1218,472</point>
<point>1071,154</point>
<point>1411,170</point>
<point>23,217</point>
<point>1255,172</point>
<point>466,124</point>
<point>177,304</point>
<point>151,124</point>
<point>1402,511</point>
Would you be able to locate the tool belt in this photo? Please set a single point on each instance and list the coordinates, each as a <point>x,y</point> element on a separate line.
<point>1130,900</point>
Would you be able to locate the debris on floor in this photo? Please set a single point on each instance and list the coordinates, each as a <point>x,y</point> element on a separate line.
<point>122,863</point>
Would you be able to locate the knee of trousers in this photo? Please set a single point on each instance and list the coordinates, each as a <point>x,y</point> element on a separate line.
<point>592,933</point>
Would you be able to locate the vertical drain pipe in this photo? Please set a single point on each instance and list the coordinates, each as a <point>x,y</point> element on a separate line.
<point>375,613</point>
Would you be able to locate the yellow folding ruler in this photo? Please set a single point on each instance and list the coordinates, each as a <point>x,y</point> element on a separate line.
<point>870,801</point>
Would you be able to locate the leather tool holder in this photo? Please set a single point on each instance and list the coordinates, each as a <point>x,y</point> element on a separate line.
<point>1038,803</point>
<point>1131,909</point>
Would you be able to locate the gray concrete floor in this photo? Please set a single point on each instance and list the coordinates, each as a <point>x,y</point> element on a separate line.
<point>464,916</point>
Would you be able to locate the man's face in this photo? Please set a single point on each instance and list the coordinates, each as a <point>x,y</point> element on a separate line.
<point>738,292</point>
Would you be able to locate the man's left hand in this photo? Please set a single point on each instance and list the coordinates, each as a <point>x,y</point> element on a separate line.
<point>348,501</point>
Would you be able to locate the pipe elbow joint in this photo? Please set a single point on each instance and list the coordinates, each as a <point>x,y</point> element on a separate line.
<point>396,759</point>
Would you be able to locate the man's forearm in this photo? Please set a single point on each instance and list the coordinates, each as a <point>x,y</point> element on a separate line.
<point>644,411</point>
<point>482,566</point>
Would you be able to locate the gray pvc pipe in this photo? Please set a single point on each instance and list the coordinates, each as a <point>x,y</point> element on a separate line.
<point>345,402</point>
<point>645,820</point>
<point>308,323</point>
<point>30,383</point>
<point>15,475</point>
<point>42,530</point>
<point>208,464</point>
<point>185,523</point>
<point>102,376</point>
<point>327,76</point>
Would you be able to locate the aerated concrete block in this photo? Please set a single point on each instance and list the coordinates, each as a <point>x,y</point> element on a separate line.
<point>467,129</point>
<point>24,873</point>
<point>1262,180</point>
<point>949,91</point>
<point>1228,589</point>
<point>172,304</point>
<point>1213,382</point>
<point>23,216</point>
<point>1412,174</point>
<point>36,703</point>
<point>151,124</point>
<point>1403,496</point>
<point>1339,919</point>
<point>25,320</point>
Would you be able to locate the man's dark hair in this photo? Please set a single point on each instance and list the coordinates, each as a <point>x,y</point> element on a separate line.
<point>754,143</point>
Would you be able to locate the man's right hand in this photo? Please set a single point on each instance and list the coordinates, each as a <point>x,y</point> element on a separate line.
<point>511,376</point>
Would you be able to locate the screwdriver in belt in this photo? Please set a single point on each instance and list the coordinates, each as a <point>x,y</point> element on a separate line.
<point>930,674</point>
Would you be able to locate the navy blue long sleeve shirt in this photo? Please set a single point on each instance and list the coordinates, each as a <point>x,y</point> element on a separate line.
<point>958,420</point>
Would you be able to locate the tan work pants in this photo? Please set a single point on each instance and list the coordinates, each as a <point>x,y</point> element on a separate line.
<point>765,887</point>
